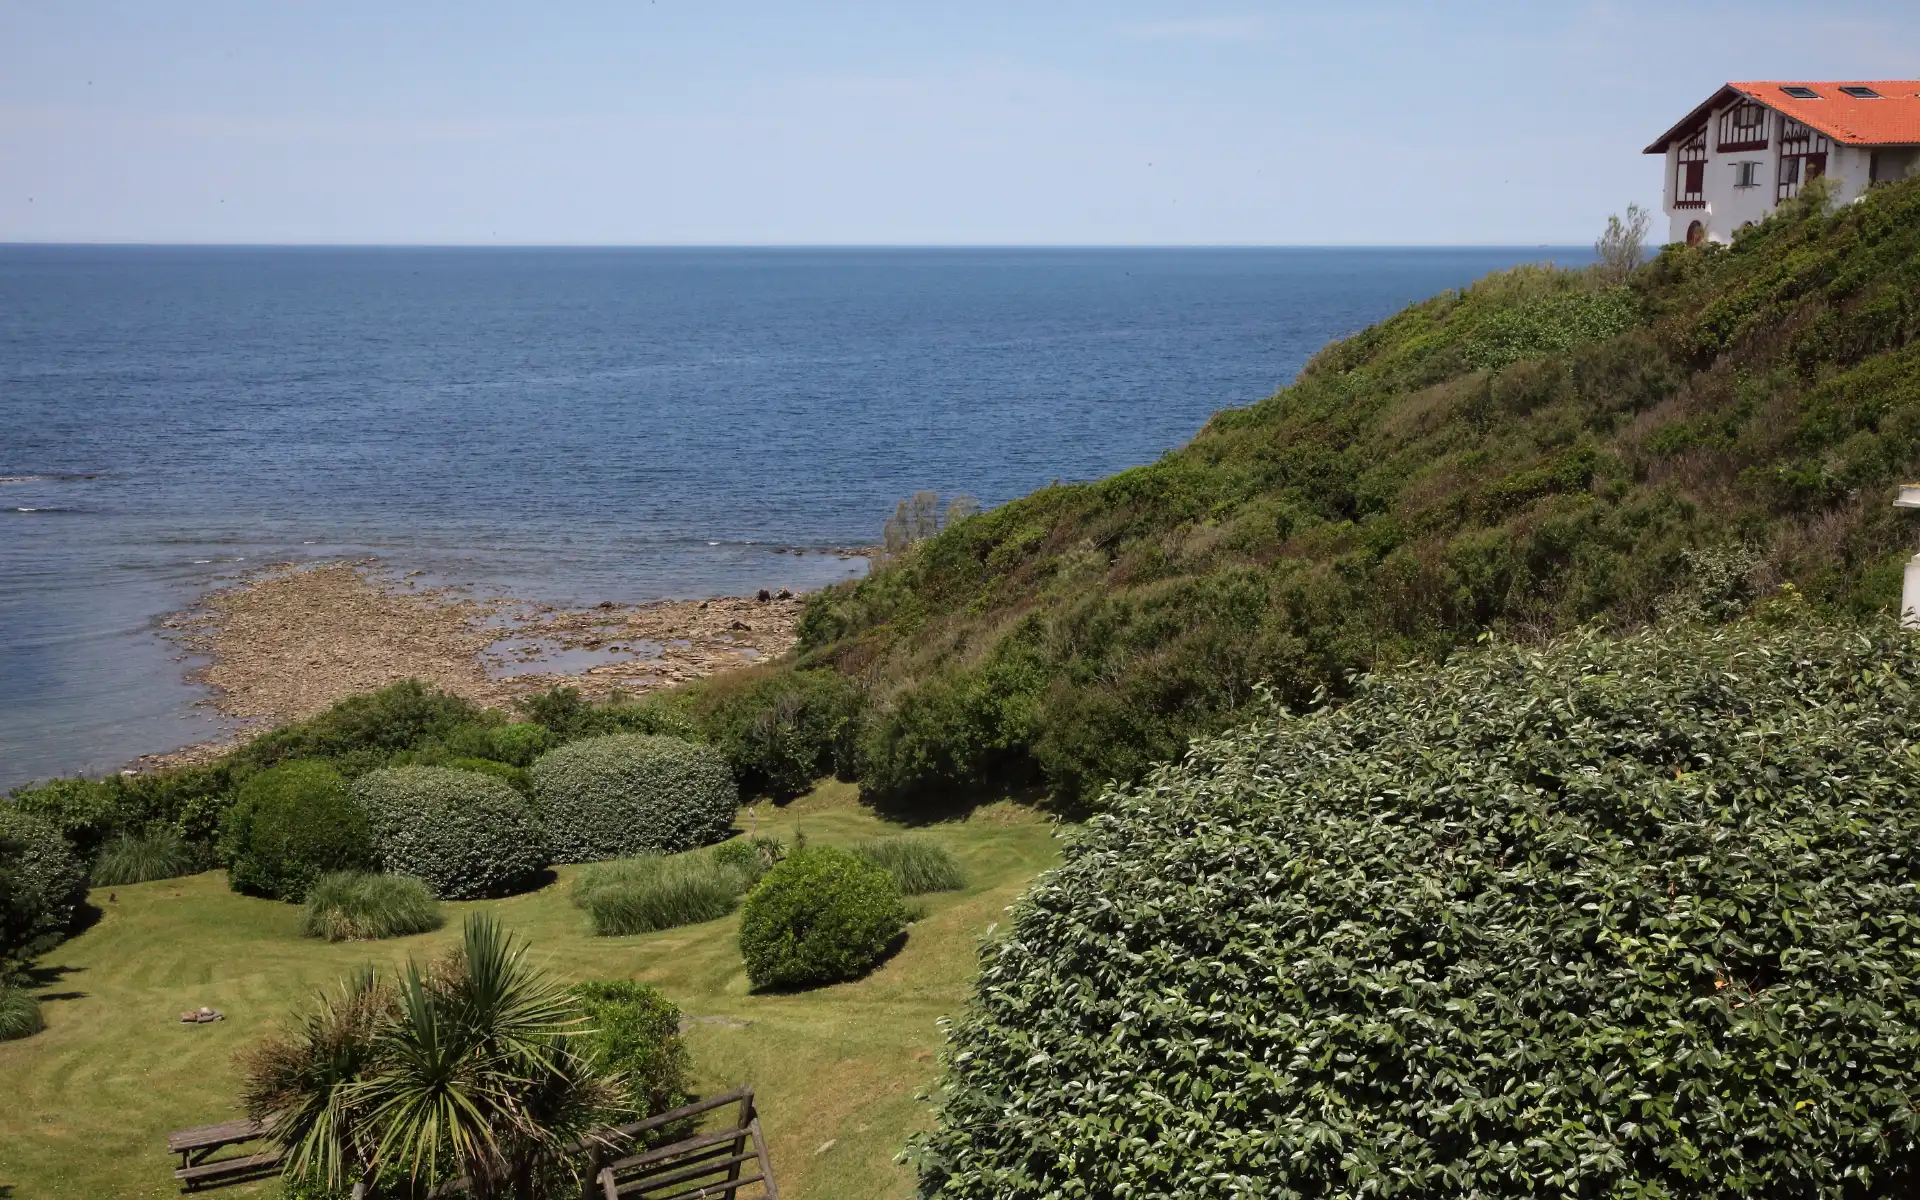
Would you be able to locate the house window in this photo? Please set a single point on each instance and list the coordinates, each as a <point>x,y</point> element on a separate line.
<point>1746,174</point>
<point>1803,158</point>
<point>1744,127</point>
<point>1861,93</point>
<point>1801,93</point>
<point>1690,173</point>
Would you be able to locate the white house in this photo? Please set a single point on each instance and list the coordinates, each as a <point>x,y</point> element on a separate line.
<point>1752,145</point>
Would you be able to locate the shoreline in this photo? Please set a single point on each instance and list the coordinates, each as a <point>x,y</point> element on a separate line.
<point>287,640</point>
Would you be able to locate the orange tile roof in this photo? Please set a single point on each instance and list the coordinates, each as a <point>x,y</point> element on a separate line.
<point>1892,120</point>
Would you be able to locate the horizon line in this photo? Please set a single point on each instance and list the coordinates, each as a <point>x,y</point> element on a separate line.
<point>209,245</point>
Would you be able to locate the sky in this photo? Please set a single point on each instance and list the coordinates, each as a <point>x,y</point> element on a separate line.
<point>755,122</point>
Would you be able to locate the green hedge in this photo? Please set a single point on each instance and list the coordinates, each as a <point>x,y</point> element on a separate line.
<point>627,794</point>
<point>466,835</point>
<point>1614,918</point>
<point>634,1036</point>
<point>290,825</point>
<point>821,916</point>
<point>42,885</point>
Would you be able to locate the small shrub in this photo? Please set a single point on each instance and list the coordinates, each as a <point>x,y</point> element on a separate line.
<point>752,857</point>
<point>918,866</point>
<point>821,916</point>
<point>290,825</point>
<point>19,1014</point>
<point>635,1038</point>
<point>568,716</point>
<point>611,797</point>
<point>355,906</point>
<point>159,853</point>
<point>464,834</point>
<point>42,884</point>
<point>518,744</point>
<point>640,895</point>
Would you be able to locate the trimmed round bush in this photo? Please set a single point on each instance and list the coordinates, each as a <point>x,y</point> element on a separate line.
<point>355,906</point>
<point>464,834</point>
<point>821,916</point>
<point>1613,918</point>
<point>634,1036</point>
<point>42,883</point>
<point>288,826</point>
<point>628,794</point>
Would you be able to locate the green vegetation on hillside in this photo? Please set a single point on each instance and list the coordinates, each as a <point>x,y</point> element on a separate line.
<point>1611,918</point>
<point>1544,449</point>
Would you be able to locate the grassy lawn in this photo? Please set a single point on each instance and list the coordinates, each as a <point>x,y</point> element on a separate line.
<point>88,1102</point>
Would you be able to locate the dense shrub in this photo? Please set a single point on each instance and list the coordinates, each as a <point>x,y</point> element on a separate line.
<point>640,895</point>
<point>19,1013</point>
<point>87,812</point>
<point>1615,918</point>
<point>464,834</point>
<point>752,857</point>
<point>779,730</point>
<point>635,1038</point>
<point>351,906</point>
<point>290,825</point>
<point>626,794</point>
<point>366,729</point>
<point>821,916</point>
<point>568,716</point>
<point>158,853</point>
<point>42,885</point>
<point>917,865</point>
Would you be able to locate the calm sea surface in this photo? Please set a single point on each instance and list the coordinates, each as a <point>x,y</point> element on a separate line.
<point>571,425</point>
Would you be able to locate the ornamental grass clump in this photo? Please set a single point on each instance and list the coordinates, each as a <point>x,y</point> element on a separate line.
<point>627,794</point>
<point>158,853</point>
<point>916,864</point>
<point>19,1013</point>
<point>1610,918</point>
<point>640,895</point>
<point>821,916</point>
<point>464,834</point>
<point>355,906</point>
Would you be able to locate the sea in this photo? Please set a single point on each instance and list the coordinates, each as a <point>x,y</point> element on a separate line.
<point>572,425</point>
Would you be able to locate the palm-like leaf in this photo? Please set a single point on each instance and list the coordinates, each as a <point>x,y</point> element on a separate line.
<point>299,1084</point>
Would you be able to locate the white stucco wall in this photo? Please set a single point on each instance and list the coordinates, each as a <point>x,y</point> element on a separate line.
<point>1729,207</point>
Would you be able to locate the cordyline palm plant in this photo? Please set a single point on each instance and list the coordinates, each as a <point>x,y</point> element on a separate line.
<point>458,1072</point>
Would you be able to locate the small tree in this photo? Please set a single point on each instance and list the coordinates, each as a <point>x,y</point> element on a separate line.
<point>1624,244</point>
<point>918,518</point>
<point>461,1069</point>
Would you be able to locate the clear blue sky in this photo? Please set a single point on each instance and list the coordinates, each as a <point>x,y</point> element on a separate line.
<point>750,121</point>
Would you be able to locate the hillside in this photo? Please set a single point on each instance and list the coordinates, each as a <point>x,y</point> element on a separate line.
<point>1544,449</point>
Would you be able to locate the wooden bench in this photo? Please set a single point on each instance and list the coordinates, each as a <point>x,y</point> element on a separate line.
<point>705,1166</point>
<point>196,1148</point>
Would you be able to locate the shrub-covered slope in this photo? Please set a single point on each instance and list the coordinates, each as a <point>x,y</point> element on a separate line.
<point>1617,918</point>
<point>1538,451</point>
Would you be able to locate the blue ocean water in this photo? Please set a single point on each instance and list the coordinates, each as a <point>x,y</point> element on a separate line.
<point>571,425</point>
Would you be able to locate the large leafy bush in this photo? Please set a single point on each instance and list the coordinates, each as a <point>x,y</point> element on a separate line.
<point>42,884</point>
<point>779,730</point>
<point>626,794</point>
<point>464,834</point>
<point>820,916</point>
<point>290,825</point>
<point>1616,918</point>
<point>633,1037</point>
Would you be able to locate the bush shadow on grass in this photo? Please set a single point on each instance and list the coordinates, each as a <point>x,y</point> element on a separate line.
<point>894,947</point>
<point>39,977</point>
<point>920,810</point>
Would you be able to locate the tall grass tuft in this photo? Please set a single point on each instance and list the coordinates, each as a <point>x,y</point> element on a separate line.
<point>639,895</point>
<point>158,853</point>
<point>19,1014</point>
<point>917,865</point>
<point>353,906</point>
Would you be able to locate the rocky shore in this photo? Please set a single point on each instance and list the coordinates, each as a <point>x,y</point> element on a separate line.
<point>285,642</point>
